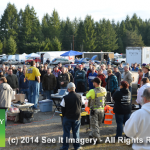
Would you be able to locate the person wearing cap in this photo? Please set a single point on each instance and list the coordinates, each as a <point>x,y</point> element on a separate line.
<point>122,106</point>
<point>71,109</point>
<point>80,79</point>
<point>91,76</point>
<point>144,85</point>
<point>96,103</point>
<point>117,74</point>
<point>14,69</point>
<point>137,126</point>
<point>146,70</point>
<point>33,75</point>
<point>112,82</point>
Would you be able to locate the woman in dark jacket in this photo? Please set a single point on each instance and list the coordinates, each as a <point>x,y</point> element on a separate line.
<point>122,107</point>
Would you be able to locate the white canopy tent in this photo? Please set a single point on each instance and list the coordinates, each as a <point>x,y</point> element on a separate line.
<point>32,55</point>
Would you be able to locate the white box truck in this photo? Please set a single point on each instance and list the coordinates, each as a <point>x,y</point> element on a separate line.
<point>138,55</point>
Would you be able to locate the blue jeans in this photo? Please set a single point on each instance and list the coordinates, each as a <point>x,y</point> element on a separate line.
<point>34,92</point>
<point>48,93</point>
<point>130,89</point>
<point>41,88</point>
<point>25,91</point>
<point>69,124</point>
<point>120,120</point>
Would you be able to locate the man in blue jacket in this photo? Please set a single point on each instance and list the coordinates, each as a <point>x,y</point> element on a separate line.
<point>80,79</point>
<point>91,76</point>
<point>112,82</point>
<point>24,84</point>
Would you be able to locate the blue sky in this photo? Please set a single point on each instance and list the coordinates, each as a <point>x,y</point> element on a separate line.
<point>98,9</point>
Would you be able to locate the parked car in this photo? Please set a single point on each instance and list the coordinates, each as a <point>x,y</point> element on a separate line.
<point>31,59</point>
<point>61,60</point>
<point>11,62</point>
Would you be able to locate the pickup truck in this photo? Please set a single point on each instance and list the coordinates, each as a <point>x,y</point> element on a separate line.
<point>37,60</point>
<point>120,59</point>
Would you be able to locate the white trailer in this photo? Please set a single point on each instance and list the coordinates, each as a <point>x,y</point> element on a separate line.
<point>20,57</point>
<point>11,57</point>
<point>138,55</point>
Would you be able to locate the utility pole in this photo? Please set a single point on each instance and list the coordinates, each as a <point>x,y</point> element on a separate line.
<point>73,42</point>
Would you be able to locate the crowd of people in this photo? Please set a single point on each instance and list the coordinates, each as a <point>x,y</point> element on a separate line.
<point>107,79</point>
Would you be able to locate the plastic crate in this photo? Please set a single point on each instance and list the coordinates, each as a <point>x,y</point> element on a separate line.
<point>46,105</point>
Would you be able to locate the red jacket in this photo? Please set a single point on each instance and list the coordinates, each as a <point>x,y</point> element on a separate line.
<point>102,77</point>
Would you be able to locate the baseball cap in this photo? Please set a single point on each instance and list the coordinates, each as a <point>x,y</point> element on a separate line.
<point>147,67</point>
<point>97,80</point>
<point>71,85</point>
<point>144,64</point>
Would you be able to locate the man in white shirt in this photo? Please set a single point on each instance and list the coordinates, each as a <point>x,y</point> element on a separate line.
<point>137,126</point>
<point>145,84</point>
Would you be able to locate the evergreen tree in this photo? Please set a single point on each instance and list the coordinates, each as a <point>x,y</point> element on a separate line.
<point>4,46</point>
<point>11,47</point>
<point>66,34</point>
<point>8,23</point>
<point>128,23</point>
<point>1,47</point>
<point>29,28</point>
<point>90,35</point>
<point>56,44</point>
<point>133,39</point>
<point>106,37</point>
<point>80,35</point>
<point>54,25</point>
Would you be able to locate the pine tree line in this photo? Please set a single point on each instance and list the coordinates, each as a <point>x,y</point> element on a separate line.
<point>22,32</point>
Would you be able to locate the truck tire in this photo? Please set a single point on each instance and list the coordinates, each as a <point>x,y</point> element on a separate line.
<point>123,62</point>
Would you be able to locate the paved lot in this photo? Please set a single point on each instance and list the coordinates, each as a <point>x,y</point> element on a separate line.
<point>45,125</point>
